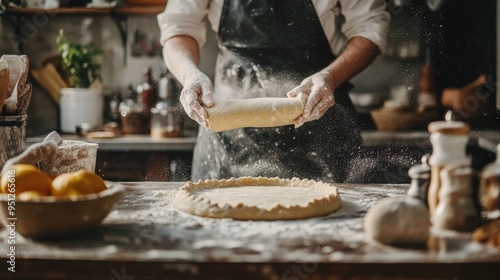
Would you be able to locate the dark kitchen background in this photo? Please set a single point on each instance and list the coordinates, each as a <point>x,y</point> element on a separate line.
<point>456,40</point>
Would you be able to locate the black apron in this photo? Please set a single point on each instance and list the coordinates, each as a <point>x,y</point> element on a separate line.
<point>266,48</point>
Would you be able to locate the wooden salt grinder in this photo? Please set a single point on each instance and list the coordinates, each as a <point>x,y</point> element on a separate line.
<point>456,209</point>
<point>448,139</point>
<point>420,179</point>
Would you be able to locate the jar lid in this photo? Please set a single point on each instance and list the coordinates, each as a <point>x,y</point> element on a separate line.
<point>420,171</point>
<point>449,127</point>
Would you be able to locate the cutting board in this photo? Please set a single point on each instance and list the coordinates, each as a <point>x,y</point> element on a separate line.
<point>50,80</point>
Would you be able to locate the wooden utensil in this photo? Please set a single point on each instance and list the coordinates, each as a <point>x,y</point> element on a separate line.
<point>51,71</point>
<point>481,80</point>
<point>471,104</point>
<point>11,102</point>
<point>4,82</point>
<point>50,80</point>
<point>18,71</point>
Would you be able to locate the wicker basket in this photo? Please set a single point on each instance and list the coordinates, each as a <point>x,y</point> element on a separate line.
<point>13,135</point>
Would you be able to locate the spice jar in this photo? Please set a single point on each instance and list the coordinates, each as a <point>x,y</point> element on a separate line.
<point>489,188</point>
<point>165,116</point>
<point>132,114</point>
<point>147,94</point>
<point>164,123</point>
<point>420,180</point>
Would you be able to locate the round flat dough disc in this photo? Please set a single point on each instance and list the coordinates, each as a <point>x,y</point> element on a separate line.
<point>250,198</point>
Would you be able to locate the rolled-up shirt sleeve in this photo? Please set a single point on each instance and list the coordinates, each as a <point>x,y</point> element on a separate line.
<point>367,19</point>
<point>184,17</point>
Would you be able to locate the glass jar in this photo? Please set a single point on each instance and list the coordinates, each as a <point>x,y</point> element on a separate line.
<point>132,115</point>
<point>164,123</point>
<point>165,116</point>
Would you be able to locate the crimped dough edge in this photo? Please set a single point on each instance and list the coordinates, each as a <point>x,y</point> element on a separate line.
<point>186,201</point>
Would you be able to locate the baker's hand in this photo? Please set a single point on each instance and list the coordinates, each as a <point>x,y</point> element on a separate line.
<point>318,89</point>
<point>197,94</point>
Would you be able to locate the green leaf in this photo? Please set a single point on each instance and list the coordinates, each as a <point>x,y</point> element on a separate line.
<point>79,61</point>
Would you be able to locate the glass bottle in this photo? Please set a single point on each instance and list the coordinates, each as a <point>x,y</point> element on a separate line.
<point>114,106</point>
<point>132,114</point>
<point>165,121</point>
<point>427,98</point>
<point>147,92</point>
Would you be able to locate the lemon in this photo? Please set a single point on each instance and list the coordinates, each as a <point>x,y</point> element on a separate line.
<point>93,179</point>
<point>25,177</point>
<point>77,183</point>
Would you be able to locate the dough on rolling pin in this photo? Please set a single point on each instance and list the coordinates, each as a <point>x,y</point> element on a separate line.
<point>398,220</point>
<point>255,112</point>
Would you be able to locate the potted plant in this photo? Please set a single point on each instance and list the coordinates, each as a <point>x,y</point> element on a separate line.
<point>82,102</point>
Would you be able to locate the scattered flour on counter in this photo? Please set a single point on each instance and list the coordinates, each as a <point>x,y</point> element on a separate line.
<point>339,232</point>
<point>146,221</point>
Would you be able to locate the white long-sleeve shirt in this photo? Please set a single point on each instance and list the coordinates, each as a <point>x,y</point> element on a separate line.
<point>365,18</point>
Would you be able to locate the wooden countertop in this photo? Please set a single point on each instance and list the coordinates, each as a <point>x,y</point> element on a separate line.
<point>131,143</point>
<point>145,238</point>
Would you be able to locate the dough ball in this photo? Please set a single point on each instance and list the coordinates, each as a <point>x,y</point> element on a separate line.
<point>398,220</point>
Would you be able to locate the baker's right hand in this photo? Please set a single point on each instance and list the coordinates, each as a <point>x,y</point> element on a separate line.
<point>197,94</point>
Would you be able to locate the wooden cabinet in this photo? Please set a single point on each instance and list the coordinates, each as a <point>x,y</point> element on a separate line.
<point>140,158</point>
<point>144,166</point>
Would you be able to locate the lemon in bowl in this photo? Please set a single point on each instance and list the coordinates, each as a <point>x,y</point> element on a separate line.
<point>25,177</point>
<point>77,183</point>
<point>72,202</point>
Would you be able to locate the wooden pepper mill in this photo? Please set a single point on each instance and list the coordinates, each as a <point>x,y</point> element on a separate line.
<point>489,192</point>
<point>448,139</point>
<point>456,209</point>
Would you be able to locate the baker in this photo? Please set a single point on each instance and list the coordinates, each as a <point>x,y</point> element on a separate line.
<point>275,48</point>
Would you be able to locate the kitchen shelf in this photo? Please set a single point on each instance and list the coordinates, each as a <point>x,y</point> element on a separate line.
<point>123,10</point>
<point>118,14</point>
<point>79,10</point>
<point>140,10</point>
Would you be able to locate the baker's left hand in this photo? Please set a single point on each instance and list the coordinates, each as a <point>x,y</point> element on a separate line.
<point>319,91</point>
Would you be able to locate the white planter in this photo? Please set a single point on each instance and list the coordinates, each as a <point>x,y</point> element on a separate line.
<point>81,105</point>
